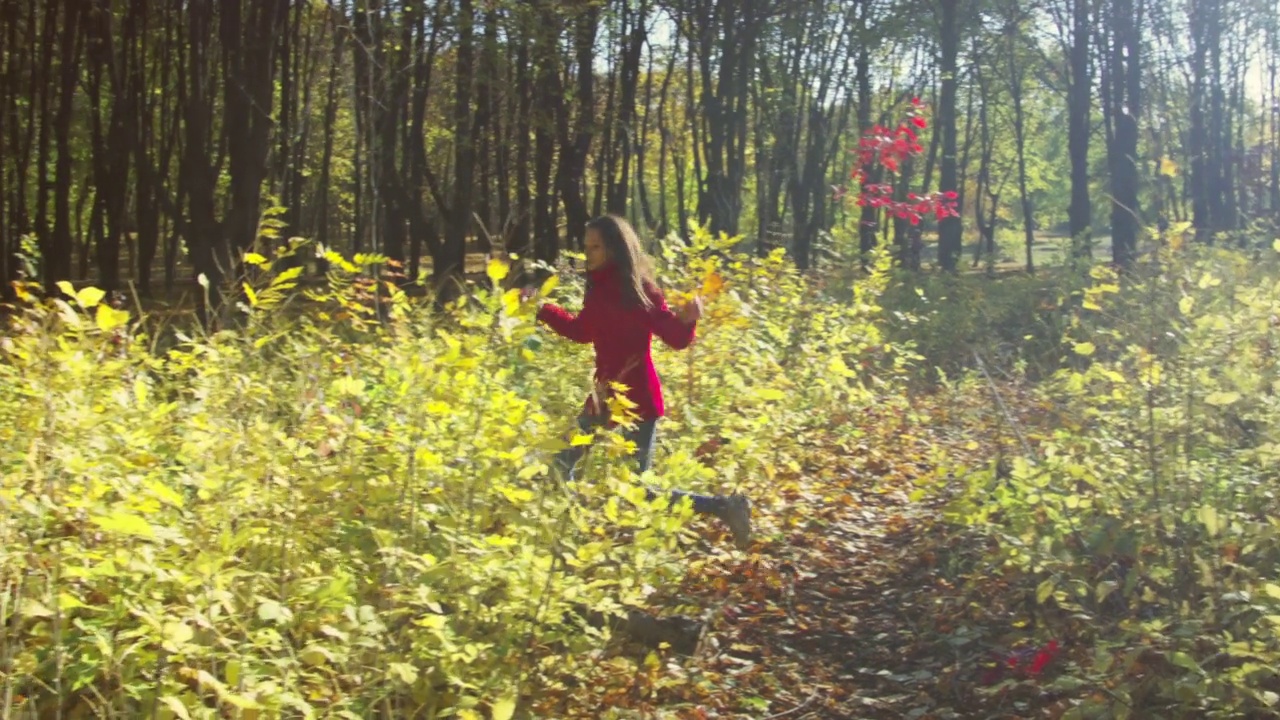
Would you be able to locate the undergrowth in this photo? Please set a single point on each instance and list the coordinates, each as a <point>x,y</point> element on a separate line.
<point>334,513</point>
<point>1134,508</point>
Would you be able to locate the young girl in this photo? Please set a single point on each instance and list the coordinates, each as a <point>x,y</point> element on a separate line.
<point>621,312</point>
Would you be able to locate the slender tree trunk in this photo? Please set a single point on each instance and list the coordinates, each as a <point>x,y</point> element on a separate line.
<point>450,263</point>
<point>521,235</point>
<point>1126,77</point>
<point>949,240</point>
<point>58,250</point>
<point>1079,129</point>
<point>1017,78</point>
<point>576,137</point>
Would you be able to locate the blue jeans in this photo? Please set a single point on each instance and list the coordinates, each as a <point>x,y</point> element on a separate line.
<point>644,435</point>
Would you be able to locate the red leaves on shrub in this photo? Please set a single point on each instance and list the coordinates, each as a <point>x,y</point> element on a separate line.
<point>889,148</point>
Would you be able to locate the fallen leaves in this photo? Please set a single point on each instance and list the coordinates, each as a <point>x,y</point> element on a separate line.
<point>852,611</point>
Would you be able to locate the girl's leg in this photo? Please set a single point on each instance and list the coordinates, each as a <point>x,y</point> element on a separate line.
<point>568,458</point>
<point>734,510</point>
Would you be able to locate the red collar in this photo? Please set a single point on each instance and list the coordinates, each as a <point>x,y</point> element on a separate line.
<point>606,275</point>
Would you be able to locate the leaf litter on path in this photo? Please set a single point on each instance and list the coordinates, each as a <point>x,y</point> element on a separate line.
<point>841,610</point>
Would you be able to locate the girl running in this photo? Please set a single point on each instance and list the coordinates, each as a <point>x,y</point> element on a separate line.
<point>621,312</point>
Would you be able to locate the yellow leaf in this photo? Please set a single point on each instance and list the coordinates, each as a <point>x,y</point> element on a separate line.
<point>1168,167</point>
<point>770,394</point>
<point>251,295</point>
<point>70,291</point>
<point>165,494</point>
<point>175,705</point>
<point>89,297</point>
<point>254,258</point>
<point>1209,517</point>
<point>497,270</point>
<point>839,367</point>
<point>124,523</point>
<point>1186,304</point>
<point>554,281</point>
<point>1084,348</point>
<point>505,708</point>
<point>175,635</point>
<point>1221,398</point>
<point>109,318</point>
<point>511,301</point>
<point>712,284</point>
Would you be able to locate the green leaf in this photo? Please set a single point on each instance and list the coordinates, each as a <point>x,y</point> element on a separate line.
<point>1212,522</point>
<point>315,656</point>
<point>272,611</point>
<point>124,523</point>
<point>1044,590</point>
<point>403,672</point>
<point>1105,588</point>
<point>1183,660</point>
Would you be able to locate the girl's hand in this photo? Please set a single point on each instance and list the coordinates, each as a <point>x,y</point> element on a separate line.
<point>690,312</point>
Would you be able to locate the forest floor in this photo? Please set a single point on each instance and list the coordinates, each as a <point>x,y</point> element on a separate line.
<point>856,600</point>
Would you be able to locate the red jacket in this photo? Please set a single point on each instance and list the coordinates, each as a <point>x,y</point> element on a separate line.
<point>621,336</point>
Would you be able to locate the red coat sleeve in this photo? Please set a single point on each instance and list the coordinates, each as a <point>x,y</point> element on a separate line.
<point>667,326</point>
<point>577,328</point>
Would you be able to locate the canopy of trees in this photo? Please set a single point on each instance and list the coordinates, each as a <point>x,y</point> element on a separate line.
<point>145,139</point>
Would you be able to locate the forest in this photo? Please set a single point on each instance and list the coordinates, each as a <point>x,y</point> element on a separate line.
<point>990,342</point>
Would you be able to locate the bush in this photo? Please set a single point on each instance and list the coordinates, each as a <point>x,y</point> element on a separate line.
<point>1143,525</point>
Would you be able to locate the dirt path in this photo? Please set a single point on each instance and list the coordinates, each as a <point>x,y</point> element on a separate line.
<point>853,602</point>
<point>843,618</point>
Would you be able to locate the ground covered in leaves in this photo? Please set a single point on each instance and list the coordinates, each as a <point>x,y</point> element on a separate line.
<point>854,601</point>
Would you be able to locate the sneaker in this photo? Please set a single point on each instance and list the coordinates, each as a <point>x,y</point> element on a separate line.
<point>737,515</point>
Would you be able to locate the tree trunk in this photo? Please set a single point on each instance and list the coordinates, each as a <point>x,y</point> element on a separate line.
<point>57,251</point>
<point>575,139</point>
<point>949,240</point>
<point>450,261</point>
<point>1079,129</point>
<point>1126,78</point>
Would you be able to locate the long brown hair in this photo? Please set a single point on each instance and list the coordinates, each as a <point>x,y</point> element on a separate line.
<point>633,267</point>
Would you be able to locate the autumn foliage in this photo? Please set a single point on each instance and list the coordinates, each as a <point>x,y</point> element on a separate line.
<point>889,149</point>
